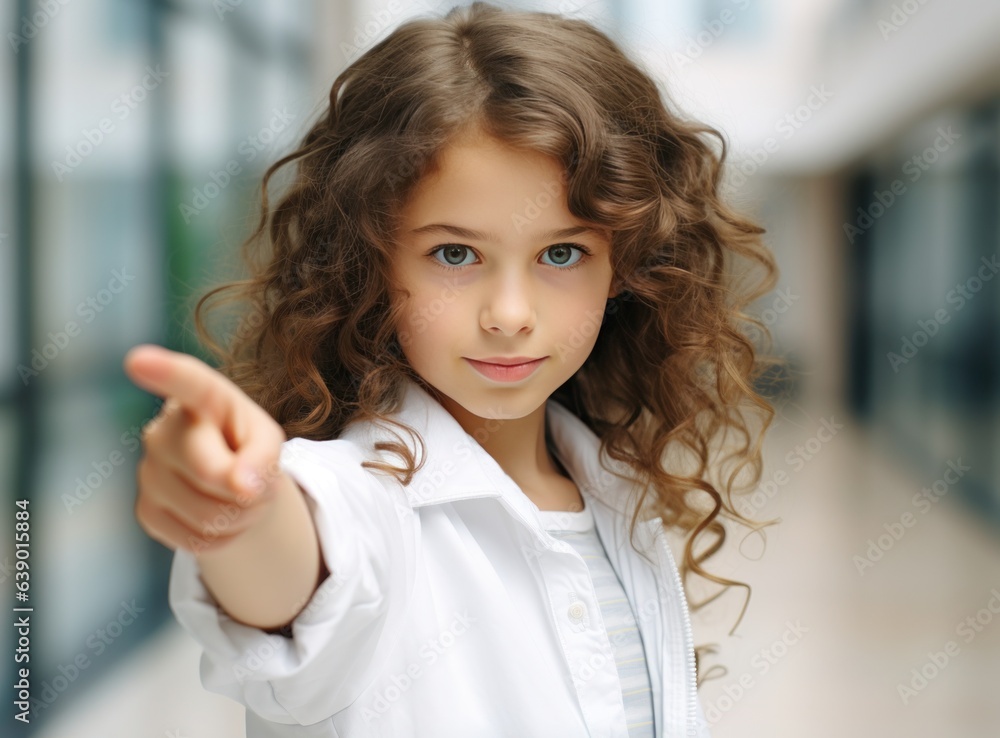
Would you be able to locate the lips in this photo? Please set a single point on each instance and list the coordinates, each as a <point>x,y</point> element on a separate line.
<point>506,372</point>
<point>507,360</point>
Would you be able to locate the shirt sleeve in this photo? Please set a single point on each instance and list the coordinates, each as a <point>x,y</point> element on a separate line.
<point>367,533</point>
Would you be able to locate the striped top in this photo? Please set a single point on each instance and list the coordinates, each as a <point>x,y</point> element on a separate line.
<point>577,529</point>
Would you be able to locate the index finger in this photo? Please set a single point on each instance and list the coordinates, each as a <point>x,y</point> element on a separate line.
<point>187,381</point>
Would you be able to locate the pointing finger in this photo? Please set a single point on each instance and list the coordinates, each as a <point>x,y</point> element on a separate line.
<point>189,382</point>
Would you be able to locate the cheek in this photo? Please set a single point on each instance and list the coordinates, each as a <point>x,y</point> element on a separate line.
<point>431,319</point>
<point>580,319</point>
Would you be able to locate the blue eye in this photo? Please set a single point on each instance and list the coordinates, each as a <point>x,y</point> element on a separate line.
<point>566,251</point>
<point>450,251</point>
<point>563,251</point>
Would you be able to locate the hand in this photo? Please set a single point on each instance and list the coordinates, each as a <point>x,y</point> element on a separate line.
<point>211,455</point>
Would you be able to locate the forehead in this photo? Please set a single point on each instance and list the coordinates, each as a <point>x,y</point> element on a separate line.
<point>484,182</point>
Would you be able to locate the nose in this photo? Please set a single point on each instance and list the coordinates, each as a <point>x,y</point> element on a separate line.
<point>508,304</point>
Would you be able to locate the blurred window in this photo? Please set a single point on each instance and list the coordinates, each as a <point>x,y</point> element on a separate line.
<point>136,140</point>
<point>926,363</point>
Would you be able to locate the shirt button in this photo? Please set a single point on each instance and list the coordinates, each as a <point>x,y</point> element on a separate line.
<point>577,610</point>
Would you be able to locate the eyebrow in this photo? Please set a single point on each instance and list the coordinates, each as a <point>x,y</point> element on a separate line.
<point>492,238</point>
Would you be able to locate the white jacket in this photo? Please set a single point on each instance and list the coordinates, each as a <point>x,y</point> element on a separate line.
<point>446,612</point>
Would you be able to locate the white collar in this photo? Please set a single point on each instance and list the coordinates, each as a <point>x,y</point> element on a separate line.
<point>457,467</point>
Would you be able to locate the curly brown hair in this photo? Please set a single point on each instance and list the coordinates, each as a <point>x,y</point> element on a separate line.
<point>673,365</point>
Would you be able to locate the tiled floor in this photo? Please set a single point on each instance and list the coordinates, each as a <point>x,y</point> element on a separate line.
<point>822,650</point>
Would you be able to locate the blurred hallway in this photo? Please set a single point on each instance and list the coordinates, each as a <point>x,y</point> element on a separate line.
<point>863,134</point>
<point>835,626</point>
<point>154,693</point>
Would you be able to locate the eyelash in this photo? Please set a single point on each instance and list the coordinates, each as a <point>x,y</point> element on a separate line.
<point>580,247</point>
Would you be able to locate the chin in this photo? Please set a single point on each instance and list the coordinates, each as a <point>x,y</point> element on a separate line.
<point>512,408</point>
<point>493,404</point>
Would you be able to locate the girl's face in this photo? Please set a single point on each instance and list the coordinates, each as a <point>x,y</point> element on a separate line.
<point>496,266</point>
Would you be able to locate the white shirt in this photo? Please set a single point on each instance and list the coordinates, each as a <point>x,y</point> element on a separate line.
<point>577,528</point>
<point>449,609</point>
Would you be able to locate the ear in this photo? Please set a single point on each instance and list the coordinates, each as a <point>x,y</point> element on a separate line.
<point>616,289</point>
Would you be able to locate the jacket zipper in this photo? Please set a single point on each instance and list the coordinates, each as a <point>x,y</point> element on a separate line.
<point>691,685</point>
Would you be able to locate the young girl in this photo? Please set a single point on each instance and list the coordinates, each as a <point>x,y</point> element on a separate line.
<point>428,492</point>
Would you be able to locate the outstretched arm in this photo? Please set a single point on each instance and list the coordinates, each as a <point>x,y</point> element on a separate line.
<point>256,543</point>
